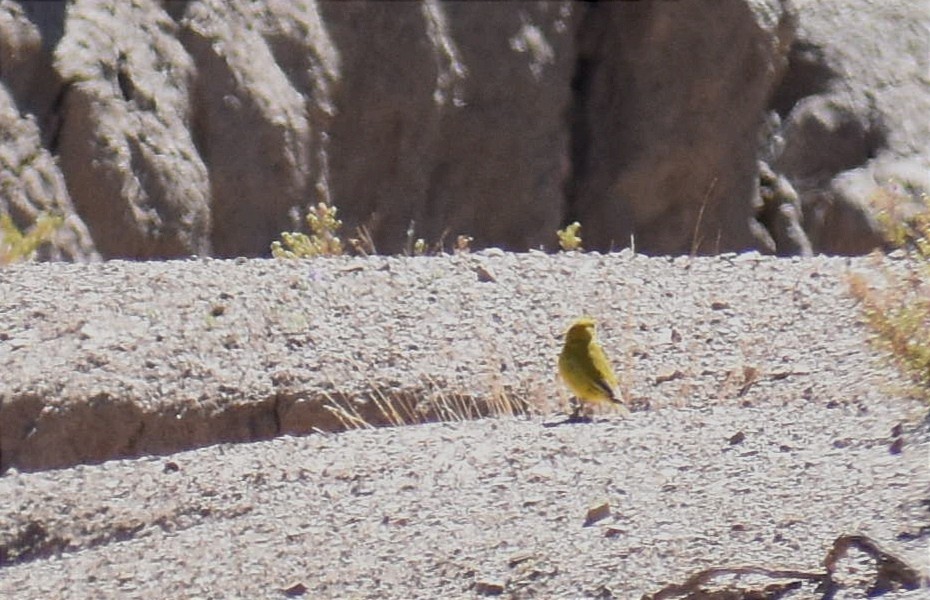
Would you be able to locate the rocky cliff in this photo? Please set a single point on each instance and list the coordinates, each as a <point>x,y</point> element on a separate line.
<point>165,129</point>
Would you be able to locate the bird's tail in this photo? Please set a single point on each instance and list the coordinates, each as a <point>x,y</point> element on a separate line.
<point>617,400</point>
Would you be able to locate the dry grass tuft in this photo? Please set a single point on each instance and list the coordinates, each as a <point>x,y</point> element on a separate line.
<point>897,305</point>
<point>433,403</point>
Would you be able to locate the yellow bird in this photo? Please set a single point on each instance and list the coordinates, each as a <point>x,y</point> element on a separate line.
<point>584,367</point>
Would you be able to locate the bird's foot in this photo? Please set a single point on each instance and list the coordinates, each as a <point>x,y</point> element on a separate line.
<point>579,417</point>
<point>578,414</point>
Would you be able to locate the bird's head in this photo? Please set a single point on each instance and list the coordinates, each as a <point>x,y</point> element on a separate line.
<point>581,331</point>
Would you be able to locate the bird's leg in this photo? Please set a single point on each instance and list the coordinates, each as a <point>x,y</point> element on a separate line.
<point>575,405</point>
<point>577,415</point>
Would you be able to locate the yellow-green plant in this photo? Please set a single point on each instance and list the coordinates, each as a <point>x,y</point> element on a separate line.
<point>323,239</point>
<point>570,237</point>
<point>414,246</point>
<point>899,311</point>
<point>16,246</point>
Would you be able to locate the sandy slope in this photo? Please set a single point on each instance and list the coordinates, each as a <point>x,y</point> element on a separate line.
<point>767,431</point>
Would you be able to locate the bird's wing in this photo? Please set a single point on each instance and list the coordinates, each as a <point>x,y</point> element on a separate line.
<point>606,379</point>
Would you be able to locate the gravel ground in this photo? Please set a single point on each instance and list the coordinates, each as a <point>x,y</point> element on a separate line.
<point>764,427</point>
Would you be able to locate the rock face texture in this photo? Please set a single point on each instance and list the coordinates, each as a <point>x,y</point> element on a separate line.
<point>26,69</point>
<point>32,184</point>
<point>30,180</point>
<point>436,133</point>
<point>852,110</point>
<point>672,97</point>
<point>125,142</point>
<point>208,127</point>
<point>262,106</point>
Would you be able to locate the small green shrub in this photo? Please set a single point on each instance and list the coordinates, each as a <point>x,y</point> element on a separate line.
<point>16,246</point>
<point>570,237</point>
<point>323,239</point>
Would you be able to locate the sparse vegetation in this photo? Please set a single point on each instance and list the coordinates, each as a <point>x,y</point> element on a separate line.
<point>17,246</point>
<point>395,410</point>
<point>570,237</point>
<point>414,246</point>
<point>429,402</point>
<point>463,244</point>
<point>898,310</point>
<point>323,239</point>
